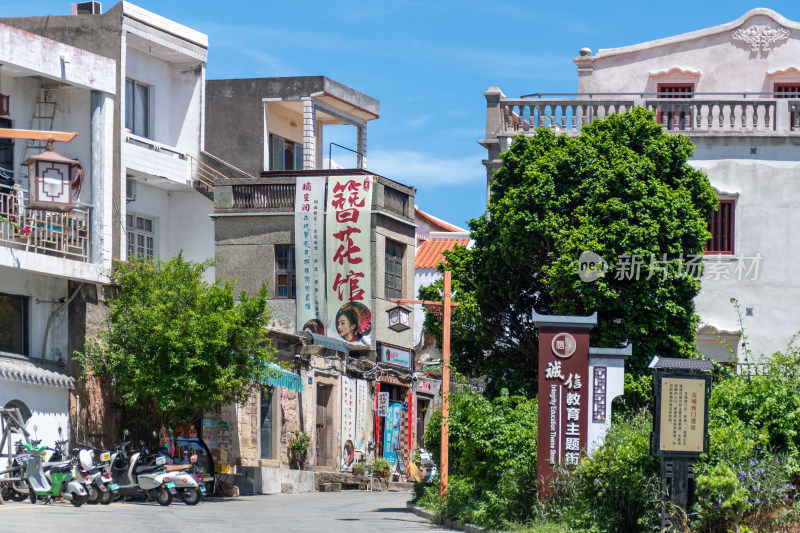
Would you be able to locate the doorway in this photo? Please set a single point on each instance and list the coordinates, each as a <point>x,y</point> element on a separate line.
<point>325,426</point>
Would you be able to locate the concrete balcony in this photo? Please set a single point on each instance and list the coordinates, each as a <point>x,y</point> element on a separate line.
<point>743,114</point>
<point>145,157</point>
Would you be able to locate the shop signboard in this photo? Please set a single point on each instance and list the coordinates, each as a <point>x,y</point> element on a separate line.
<point>362,415</point>
<point>309,250</point>
<point>347,251</point>
<point>394,355</point>
<point>348,422</point>
<point>681,422</point>
<point>391,433</point>
<point>383,404</point>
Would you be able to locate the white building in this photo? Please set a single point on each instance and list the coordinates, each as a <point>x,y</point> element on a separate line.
<point>158,117</point>
<point>154,201</point>
<point>52,256</point>
<point>734,89</point>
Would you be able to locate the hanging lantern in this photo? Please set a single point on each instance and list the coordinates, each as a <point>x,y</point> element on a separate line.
<point>399,318</point>
<point>51,177</point>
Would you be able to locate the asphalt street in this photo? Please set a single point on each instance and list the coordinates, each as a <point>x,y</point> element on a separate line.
<point>321,512</point>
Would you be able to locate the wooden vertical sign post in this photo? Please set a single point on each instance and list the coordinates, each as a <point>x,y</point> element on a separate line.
<point>445,306</point>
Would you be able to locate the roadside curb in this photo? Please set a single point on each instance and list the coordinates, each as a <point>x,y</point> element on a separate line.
<point>424,513</point>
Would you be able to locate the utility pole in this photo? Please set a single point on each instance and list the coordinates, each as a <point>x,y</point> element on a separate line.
<point>444,310</point>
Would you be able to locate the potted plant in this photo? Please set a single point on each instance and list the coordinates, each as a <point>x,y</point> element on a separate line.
<point>380,468</point>
<point>298,449</point>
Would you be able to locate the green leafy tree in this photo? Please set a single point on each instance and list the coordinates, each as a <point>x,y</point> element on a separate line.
<point>621,188</point>
<point>175,346</point>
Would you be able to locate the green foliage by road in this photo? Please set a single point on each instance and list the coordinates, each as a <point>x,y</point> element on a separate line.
<point>175,346</point>
<point>492,458</point>
<point>623,187</point>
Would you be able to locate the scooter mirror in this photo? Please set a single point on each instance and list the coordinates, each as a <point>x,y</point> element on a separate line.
<point>193,459</point>
<point>155,434</point>
<point>59,431</point>
<point>126,432</point>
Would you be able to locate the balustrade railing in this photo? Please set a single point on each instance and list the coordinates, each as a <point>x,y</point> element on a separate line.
<point>55,233</point>
<point>690,115</point>
<point>264,196</point>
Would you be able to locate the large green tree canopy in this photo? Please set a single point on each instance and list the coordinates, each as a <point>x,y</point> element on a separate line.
<point>175,346</point>
<point>623,190</point>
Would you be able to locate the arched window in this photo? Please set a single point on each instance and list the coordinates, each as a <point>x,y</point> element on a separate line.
<point>24,411</point>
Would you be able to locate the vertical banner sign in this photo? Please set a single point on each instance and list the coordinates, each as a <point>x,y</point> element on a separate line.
<point>309,252</point>
<point>383,404</point>
<point>391,434</point>
<point>564,386</point>
<point>362,414</point>
<point>347,247</point>
<point>348,422</point>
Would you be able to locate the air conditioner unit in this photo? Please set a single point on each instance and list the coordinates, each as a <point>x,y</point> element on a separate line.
<point>87,8</point>
<point>130,190</point>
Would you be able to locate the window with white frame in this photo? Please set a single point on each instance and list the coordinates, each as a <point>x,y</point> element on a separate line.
<point>284,154</point>
<point>14,324</point>
<point>141,232</point>
<point>137,108</point>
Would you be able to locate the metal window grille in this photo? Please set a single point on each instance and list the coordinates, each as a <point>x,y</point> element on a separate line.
<point>721,226</point>
<point>675,116</point>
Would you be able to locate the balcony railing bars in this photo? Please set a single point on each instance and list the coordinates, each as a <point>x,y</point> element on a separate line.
<point>55,233</point>
<point>264,196</point>
<point>690,115</point>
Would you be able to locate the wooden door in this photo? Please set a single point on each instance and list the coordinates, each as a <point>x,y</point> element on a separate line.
<point>323,427</point>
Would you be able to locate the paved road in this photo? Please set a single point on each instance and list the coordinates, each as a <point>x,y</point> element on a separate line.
<point>320,512</point>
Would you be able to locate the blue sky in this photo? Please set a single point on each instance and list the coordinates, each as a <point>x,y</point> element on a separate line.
<point>427,62</point>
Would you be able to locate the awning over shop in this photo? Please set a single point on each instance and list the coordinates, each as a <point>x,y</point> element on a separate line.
<point>330,343</point>
<point>284,379</point>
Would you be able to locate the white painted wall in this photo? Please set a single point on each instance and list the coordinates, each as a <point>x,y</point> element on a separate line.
<point>46,288</point>
<point>759,172</point>
<point>49,408</point>
<point>182,222</point>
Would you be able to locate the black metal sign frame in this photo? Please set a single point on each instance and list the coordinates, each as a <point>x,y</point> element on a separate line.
<point>655,438</point>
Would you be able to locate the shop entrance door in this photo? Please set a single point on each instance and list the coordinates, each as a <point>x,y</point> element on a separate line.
<point>324,425</point>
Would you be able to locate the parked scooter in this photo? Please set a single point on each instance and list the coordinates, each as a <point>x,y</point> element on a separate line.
<point>136,479</point>
<point>188,485</point>
<point>61,482</point>
<point>99,485</point>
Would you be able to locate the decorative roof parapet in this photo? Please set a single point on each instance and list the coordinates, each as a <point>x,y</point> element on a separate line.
<point>761,37</point>
<point>24,371</point>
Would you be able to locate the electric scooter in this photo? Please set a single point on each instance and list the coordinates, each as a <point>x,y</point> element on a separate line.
<point>97,479</point>
<point>135,479</point>
<point>188,485</point>
<point>61,484</point>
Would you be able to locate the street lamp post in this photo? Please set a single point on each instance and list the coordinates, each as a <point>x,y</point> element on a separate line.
<point>446,307</point>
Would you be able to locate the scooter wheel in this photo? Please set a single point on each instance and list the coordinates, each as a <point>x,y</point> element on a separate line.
<point>78,500</point>
<point>32,496</point>
<point>190,497</point>
<point>106,497</point>
<point>163,496</point>
<point>92,495</point>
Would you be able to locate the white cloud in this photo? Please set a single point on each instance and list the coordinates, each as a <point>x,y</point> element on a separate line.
<point>426,171</point>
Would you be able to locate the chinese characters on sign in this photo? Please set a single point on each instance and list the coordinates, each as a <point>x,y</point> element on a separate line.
<point>309,249</point>
<point>362,415</point>
<point>348,422</point>
<point>682,421</point>
<point>348,252</point>
<point>566,399</point>
<point>383,404</point>
<point>395,356</point>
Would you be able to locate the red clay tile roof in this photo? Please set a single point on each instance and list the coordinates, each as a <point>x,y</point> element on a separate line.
<point>441,224</point>
<point>429,253</point>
